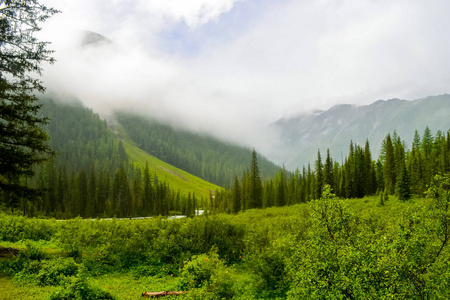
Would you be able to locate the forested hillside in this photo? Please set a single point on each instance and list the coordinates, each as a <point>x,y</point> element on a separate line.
<point>92,175</point>
<point>203,156</point>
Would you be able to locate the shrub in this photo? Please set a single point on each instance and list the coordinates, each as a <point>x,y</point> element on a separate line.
<point>79,288</point>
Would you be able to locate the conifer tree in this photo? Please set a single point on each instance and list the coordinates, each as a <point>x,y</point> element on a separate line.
<point>148,197</point>
<point>403,187</point>
<point>236,194</point>
<point>255,184</point>
<point>22,139</point>
<point>389,165</point>
<point>82,195</point>
<point>318,176</point>
<point>370,183</point>
<point>328,170</point>
<point>280,198</point>
<point>269,194</point>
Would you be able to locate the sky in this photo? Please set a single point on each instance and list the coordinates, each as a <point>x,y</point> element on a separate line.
<point>231,67</point>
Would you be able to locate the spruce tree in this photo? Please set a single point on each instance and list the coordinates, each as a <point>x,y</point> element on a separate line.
<point>148,198</point>
<point>280,198</point>
<point>22,139</point>
<point>318,176</point>
<point>255,184</point>
<point>328,170</point>
<point>403,187</point>
<point>236,194</point>
<point>389,165</point>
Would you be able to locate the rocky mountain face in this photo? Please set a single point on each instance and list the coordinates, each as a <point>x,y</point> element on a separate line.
<point>298,138</point>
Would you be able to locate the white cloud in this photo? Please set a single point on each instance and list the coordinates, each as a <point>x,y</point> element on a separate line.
<point>274,58</point>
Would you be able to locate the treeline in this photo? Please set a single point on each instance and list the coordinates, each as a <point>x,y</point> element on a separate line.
<point>206,157</point>
<point>127,192</point>
<point>397,171</point>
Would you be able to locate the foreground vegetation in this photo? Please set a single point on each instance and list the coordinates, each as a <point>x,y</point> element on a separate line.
<point>367,248</point>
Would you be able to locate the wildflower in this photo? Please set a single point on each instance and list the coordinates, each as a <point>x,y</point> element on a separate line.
<point>206,258</point>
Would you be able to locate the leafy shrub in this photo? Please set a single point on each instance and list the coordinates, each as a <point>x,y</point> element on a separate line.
<point>207,277</point>
<point>79,288</point>
<point>198,271</point>
<point>56,272</point>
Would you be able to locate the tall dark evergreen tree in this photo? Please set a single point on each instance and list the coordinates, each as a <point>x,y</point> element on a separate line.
<point>403,187</point>
<point>389,165</point>
<point>328,170</point>
<point>236,194</point>
<point>280,197</point>
<point>148,198</point>
<point>82,195</point>
<point>318,176</point>
<point>22,139</point>
<point>255,184</point>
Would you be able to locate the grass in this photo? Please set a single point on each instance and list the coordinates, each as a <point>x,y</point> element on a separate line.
<point>125,286</point>
<point>9,290</point>
<point>176,178</point>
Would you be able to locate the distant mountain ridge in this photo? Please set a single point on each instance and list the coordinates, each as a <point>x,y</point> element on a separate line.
<point>299,138</point>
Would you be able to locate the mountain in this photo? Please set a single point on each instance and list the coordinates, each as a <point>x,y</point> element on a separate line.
<point>201,155</point>
<point>297,139</point>
<point>84,140</point>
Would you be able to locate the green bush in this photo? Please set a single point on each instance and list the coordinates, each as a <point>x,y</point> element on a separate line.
<point>79,289</point>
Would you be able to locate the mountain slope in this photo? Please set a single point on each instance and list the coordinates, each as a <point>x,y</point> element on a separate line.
<point>300,137</point>
<point>176,178</point>
<point>203,156</point>
<point>83,139</point>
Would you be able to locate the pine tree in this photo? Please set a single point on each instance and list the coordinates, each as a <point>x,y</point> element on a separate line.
<point>403,187</point>
<point>280,198</point>
<point>22,140</point>
<point>370,183</point>
<point>255,184</point>
<point>389,165</point>
<point>328,171</point>
<point>148,198</point>
<point>269,194</point>
<point>236,194</point>
<point>82,195</point>
<point>318,176</point>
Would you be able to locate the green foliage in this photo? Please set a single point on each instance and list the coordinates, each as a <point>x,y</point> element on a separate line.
<point>328,248</point>
<point>79,288</point>
<point>15,228</point>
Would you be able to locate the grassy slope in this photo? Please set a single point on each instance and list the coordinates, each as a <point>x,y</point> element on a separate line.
<point>176,178</point>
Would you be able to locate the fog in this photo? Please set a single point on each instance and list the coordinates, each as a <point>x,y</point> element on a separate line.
<point>232,67</point>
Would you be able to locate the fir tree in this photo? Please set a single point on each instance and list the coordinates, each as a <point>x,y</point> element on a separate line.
<point>255,184</point>
<point>389,165</point>
<point>318,176</point>
<point>236,194</point>
<point>22,139</point>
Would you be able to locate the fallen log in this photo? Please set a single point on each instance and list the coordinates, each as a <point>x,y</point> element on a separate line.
<point>161,294</point>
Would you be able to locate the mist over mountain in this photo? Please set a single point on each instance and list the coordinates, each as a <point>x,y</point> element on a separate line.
<point>296,139</point>
<point>117,78</point>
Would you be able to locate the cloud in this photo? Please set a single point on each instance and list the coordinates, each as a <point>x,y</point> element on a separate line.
<point>230,67</point>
